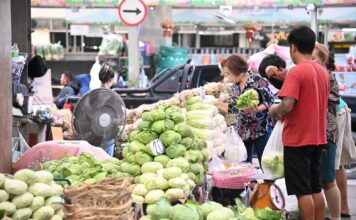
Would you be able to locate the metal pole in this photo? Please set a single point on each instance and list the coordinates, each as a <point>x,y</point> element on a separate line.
<point>134,57</point>
<point>313,11</point>
<point>67,38</point>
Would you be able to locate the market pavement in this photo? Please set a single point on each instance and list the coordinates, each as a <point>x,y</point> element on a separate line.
<point>351,183</point>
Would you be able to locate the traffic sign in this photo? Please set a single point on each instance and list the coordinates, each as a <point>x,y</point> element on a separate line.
<point>132,12</point>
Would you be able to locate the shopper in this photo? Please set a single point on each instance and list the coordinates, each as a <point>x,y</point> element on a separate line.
<point>70,88</point>
<point>254,124</point>
<point>273,68</point>
<point>304,102</point>
<point>331,191</point>
<point>106,76</point>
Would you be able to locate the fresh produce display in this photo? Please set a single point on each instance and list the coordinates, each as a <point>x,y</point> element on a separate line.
<point>272,165</point>
<point>31,195</point>
<point>203,118</point>
<point>248,99</point>
<point>168,160</point>
<point>208,211</point>
<point>86,168</point>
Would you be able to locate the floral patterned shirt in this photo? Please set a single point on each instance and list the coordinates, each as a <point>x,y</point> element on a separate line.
<point>251,126</point>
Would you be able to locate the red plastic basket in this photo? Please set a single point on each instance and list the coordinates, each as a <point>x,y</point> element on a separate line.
<point>233,178</point>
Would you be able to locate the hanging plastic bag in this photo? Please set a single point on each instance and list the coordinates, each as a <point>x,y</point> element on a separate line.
<point>235,150</point>
<point>94,75</point>
<point>272,158</point>
<point>19,147</point>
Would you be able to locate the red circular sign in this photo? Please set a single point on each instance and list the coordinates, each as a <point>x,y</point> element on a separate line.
<point>132,12</point>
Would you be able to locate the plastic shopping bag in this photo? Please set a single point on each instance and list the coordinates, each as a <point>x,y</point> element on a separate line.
<point>235,150</point>
<point>94,75</point>
<point>19,147</point>
<point>272,158</point>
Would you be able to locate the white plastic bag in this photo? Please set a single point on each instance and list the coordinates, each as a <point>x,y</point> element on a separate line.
<point>235,150</point>
<point>272,158</point>
<point>94,75</point>
<point>19,147</point>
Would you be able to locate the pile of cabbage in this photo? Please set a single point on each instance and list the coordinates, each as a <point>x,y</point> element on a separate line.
<point>208,211</point>
<point>176,167</point>
<point>85,168</point>
<point>203,118</point>
<point>31,195</point>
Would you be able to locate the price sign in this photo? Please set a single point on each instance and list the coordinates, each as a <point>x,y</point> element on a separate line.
<point>157,147</point>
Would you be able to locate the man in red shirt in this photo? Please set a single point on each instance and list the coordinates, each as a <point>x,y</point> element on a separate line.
<point>304,104</point>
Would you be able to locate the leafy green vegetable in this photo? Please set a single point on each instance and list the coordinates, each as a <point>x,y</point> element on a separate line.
<point>55,202</point>
<point>137,199</point>
<point>162,159</point>
<point>22,214</point>
<point>196,168</point>
<point>154,196</point>
<point>171,172</point>
<point>150,185</point>
<point>268,214</point>
<point>135,146</point>
<point>187,142</point>
<point>177,117</point>
<point>177,183</point>
<point>139,190</point>
<point>40,189</point>
<point>194,156</point>
<point>142,158</point>
<point>184,212</point>
<point>161,183</point>
<point>8,207</point>
<point>23,200</point>
<point>174,194</point>
<point>144,126</point>
<point>180,162</point>
<point>248,214</point>
<point>26,175</point>
<point>147,176</point>
<point>183,130</point>
<point>44,176</point>
<point>15,187</point>
<point>209,99</point>
<point>2,179</point>
<point>274,164</point>
<point>169,137</point>
<point>248,99</point>
<point>161,210</point>
<point>221,214</point>
<point>172,109</point>
<point>162,125</point>
<point>209,207</point>
<point>133,136</point>
<point>4,196</point>
<point>43,213</point>
<point>146,137</point>
<point>37,203</point>
<point>176,150</point>
<point>151,167</point>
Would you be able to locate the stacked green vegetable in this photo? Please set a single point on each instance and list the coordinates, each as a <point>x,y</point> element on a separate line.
<point>31,195</point>
<point>169,170</point>
<point>248,99</point>
<point>84,168</point>
<point>272,165</point>
<point>202,116</point>
<point>247,213</point>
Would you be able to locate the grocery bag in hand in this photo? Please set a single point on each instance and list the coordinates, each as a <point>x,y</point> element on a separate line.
<point>272,158</point>
<point>235,150</point>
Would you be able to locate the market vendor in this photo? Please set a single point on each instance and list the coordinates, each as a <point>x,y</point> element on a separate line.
<point>70,88</point>
<point>253,124</point>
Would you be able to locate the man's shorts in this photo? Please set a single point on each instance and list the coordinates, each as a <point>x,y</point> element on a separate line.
<point>302,169</point>
<point>328,163</point>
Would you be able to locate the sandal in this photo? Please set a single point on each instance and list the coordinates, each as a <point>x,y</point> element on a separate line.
<point>345,215</point>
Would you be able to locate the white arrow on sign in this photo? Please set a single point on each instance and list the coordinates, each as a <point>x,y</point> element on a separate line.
<point>132,12</point>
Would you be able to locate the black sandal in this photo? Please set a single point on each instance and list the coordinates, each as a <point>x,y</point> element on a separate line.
<point>345,215</point>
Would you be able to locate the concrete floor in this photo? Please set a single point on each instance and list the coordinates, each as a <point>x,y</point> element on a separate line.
<point>352,198</point>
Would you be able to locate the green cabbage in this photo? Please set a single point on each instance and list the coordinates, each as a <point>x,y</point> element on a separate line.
<point>201,115</point>
<point>172,109</point>
<point>137,199</point>
<point>184,212</point>
<point>187,142</point>
<point>160,210</point>
<point>150,185</point>
<point>202,106</point>
<point>273,164</point>
<point>183,130</point>
<point>205,154</point>
<point>177,117</point>
<point>131,158</point>
<point>199,180</point>
<point>133,136</point>
<point>162,159</point>
<point>194,156</point>
<point>151,167</point>
<point>37,203</point>
<point>174,194</point>
<point>8,207</point>
<point>4,196</point>
<point>55,202</point>
<point>60,213</point>
<point>147,176</point>
<point>180,162</point>
<point>162,125</point>
<point>196,168</point>
<point>23,200</point>
<point>268,214</point>
<point>146,137</point>
<point>209,99</point>
<point>191,183</point>
<point>43,213</point>
<point>22,214</point>
<point>125,152</point>
<point>139,190</point>
<point>136,146</point>
<point>176,150</point>
<point>142,158</point>
<point>56,217</point>
<point>169,137</point>
<point>171,172</point>
<point>205,134</point>
<point>134,170</point>
<point>154,196</point>
<point>209,207</point>
<point>248,99</point>
<point>177,183</point>
<point>45,177</point>
<point>15,187</point>
<point>144,126</point>
<point>40,189</point>
<point>201,124</point>
<point>161,183</point>
<point>221,214</point>
<point>154,115</point>
<point>26,175</point>
<point>191,175</point>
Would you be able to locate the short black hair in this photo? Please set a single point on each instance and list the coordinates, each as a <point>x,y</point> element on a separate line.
<point>68,75</point>
<point>106,73</point>
<point>271,60</point>
<point>330,65</point>
<point>303,38</point>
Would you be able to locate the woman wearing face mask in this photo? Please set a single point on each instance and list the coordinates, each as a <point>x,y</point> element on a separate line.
<point>331,191</point>
<point>254,124</point>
